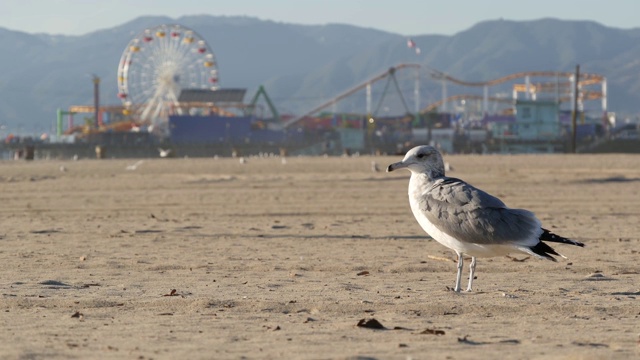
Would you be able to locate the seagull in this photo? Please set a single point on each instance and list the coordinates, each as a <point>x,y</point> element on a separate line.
<point>164,153</point>
<point>467,219</point>
<point>448,167</point>
<point>133,167</point>
<point>374,166</point>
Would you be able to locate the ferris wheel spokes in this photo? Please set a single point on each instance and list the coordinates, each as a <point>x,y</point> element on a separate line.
<point>157,64</point>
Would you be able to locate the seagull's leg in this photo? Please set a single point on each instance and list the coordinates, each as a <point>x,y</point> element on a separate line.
<point>472,272</point>
<point>459,275</point>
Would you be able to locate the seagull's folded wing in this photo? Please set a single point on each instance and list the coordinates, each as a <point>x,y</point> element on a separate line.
<point>473,216</point>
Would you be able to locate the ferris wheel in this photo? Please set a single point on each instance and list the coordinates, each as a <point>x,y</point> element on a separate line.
<point>157,64</point>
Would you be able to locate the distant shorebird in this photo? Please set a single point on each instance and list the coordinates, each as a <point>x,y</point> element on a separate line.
<point>448,167</point>
<point>468,220</point>
<point>374,167</point>
<point>164,153</point>
<point>135,166</point>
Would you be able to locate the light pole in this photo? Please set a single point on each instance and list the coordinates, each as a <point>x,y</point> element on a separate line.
<point>96,100</point>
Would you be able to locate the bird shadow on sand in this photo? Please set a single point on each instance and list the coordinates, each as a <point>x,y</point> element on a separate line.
<point>611,179</point>
<point>302,237</point>
<point>467,341</point>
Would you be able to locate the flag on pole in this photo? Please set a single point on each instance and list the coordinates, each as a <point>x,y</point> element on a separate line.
<point>412,45</point>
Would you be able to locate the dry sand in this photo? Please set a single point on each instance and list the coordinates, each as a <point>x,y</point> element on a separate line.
<point>265,261</point>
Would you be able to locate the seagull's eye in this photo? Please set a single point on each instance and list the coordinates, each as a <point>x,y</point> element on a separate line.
<point>420,156</point>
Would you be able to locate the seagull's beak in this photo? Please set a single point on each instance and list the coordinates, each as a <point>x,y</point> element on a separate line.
<point>396,166</point>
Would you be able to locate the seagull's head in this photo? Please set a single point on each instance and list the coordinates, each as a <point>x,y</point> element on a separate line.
<point>421,160</point>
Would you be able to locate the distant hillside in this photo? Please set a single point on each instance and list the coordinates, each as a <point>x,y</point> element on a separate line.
<point>301,65</point>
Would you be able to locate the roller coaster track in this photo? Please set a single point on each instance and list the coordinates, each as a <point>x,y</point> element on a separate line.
<point>585,78</point>
<point>354,89</point>
<point>437,104</point>
<point>587,95</point>
<point>561,87</point>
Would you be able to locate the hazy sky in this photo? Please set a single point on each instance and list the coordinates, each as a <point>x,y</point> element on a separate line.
<point>406,17</point>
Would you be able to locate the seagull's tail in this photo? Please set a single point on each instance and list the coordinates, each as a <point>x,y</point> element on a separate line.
<point>542,250</point>
<point>545,251</point>
<point>551,237</point>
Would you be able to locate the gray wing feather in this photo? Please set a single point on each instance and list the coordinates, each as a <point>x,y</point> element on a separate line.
<point>474,216</point>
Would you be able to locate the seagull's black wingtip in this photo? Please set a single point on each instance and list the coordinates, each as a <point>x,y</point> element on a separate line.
<point>545,251</point>
<point>551,237</point>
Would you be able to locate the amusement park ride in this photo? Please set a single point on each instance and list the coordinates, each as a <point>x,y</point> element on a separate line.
<point>550,85</point>
<point>155,67</point>
<point>157,64</point>
<point>160,62</point>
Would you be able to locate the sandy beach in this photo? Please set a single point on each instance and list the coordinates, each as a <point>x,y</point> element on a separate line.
<point>214,259</point>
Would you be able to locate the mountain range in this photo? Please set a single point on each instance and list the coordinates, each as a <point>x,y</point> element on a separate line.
<point>301,66</point>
